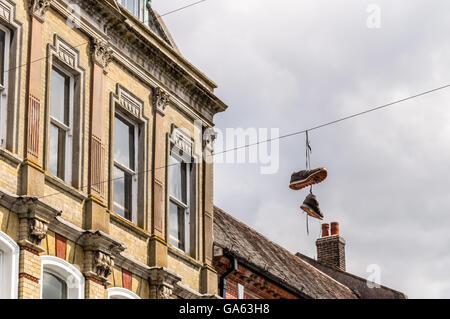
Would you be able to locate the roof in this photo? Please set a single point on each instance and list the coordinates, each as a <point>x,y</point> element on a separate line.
<point>157,25</point>
<point>355,283</point>
<point>278,264</point>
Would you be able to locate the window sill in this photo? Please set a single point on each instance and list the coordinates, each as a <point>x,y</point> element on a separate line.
<point>58,183</point>
<point>185,257</point>
<point>129,225</point>
<point>12,158</point>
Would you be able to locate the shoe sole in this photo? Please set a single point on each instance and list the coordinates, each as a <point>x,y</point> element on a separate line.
<point>312,179</point>
<point>310,212</point>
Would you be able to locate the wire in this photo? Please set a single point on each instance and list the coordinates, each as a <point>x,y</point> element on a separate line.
<point>182,8</point>
<point>339,120</point>
<point>288,135</point>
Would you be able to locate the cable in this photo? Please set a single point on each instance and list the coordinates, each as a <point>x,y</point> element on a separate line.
<point>288,135</point>
<point>182,8</point>
<point>338,120</point>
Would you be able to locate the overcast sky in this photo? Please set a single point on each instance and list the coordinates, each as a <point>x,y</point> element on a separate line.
<point>293,64</point>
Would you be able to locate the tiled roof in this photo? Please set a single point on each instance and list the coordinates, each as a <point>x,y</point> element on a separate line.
<point>355,283</point>
<point>273,261</point>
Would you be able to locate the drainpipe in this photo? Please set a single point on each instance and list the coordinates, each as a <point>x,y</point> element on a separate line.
<point>223,278</point>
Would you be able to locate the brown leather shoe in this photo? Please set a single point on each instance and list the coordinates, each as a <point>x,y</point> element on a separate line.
<point>311,207</point>
<point>307,178</point>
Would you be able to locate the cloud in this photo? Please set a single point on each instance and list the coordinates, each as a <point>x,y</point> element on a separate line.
<point>295,64</point>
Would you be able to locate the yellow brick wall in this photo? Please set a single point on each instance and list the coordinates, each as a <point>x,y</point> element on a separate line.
<point>73,207</point>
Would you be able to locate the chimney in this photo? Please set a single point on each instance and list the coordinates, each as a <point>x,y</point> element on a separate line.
<point>331,249</point>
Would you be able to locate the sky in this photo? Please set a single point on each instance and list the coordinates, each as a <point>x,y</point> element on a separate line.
<point>294,64</point>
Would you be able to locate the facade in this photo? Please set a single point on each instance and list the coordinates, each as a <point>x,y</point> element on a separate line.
<point>104,192</point>
<point>251,266</point>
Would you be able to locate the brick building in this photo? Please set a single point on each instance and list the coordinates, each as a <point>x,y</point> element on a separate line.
<point>104,192</point>
<point>251,266</point>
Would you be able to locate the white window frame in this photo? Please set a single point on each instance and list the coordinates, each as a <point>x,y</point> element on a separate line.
<point>121,293</point>
<point>4,89</point>
<point>127,170</point>
<point>68,163</point>
<point>69,273</point>
<point>9,275</point>
<point>178,202</point>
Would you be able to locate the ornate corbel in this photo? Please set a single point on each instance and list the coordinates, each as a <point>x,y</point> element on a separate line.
<point>34,219</point>
<point>160,100</point>
<point>99,253</point>
<point>38,8</point>
<point>99,265</point>
<point>101,53</point>
<point>162,282</point>
<point>209,138</point>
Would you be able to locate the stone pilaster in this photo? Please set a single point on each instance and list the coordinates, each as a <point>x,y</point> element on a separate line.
<point>208,277</point>
<point>162,282</point>
<point>32,175</point>
<point>158,246</point>
<point>96,214</point>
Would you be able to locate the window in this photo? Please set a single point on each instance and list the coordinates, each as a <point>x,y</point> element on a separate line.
<point>121,293</point>
<point>137,7</point>
<point>180,201</point>
<point>9,267</point>
<point>53,287</point>
<point>126,134</point>
<point>241,291</point>
<point>4,66</point>
<point>61,124</point>
<point>60,279</point>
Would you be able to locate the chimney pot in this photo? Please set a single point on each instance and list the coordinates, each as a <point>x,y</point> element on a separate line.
<point>325,230</point>
<point>334,228</point>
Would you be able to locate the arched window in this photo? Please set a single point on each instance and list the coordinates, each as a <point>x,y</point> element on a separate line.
<point>9,267</point>
<point>121,293</point>
<point>60,279</point>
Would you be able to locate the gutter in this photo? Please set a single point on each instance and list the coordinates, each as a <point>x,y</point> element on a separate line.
<point>223,278</point>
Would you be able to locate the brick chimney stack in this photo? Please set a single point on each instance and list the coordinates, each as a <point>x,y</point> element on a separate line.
<point>331,248</point>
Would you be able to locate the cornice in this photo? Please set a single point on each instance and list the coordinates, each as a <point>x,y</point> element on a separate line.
<point>131,41</point>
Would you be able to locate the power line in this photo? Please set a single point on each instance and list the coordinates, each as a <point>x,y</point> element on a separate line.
<point>182,8</point>
<point>290,134</point>
<point>340,119</point>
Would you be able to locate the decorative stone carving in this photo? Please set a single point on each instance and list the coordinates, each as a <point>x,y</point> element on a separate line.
<point>100,250</point>
<point>162,282</point>
<point>101,53</point>
<point>103,264</point>
<point>209,138</point>
<point>183,143</point>
<point>129,102</point>
<point>160,100</point>
<point>38,8</point>
<point>37,230</point>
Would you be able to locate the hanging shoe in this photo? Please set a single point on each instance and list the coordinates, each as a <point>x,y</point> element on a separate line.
<point>311,207</point>
<point>307,178</point>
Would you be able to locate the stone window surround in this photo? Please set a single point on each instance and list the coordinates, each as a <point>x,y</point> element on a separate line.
<point>121,293</point>
<point>131,108</point>
<point>181,140</point>
<point>67,59</point>
<point>65,271</point>
<point>9,259</point>
<point>8,20</point>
